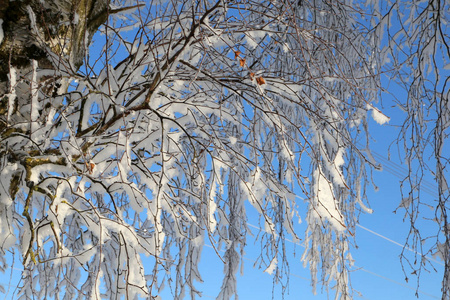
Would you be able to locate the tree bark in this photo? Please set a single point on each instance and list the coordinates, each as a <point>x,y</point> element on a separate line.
<point>51,35</point>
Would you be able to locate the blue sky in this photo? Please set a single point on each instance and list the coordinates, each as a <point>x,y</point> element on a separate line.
<point>378,273</point>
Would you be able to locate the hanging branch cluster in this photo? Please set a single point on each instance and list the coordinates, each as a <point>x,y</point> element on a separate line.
<point>416,57</point>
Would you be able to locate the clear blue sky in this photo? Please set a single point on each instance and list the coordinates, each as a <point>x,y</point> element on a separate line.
<point>378,272</point>
<point>380,276</point>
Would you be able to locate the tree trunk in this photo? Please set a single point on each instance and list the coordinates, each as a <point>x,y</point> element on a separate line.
<point>49,35</point>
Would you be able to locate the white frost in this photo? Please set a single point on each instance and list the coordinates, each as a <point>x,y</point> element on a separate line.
<point>272,266</point>
<point>2,35</point>
<point>34,99</point>
<point>378,116</point>
<point>212,219</point>
<point>339,159</point>
<point>249,39</point>
<point>12,91</point>
<point>324,202</point>
<point>76,19</point>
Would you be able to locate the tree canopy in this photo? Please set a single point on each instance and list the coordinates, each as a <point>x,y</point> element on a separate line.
<point>132,129</point>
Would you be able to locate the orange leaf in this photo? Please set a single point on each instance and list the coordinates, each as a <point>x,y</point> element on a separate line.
<point>242,62</point>
<point>260,80</point>
<point>90,167</point>
<point>237,53</point>
<point>252,75</point>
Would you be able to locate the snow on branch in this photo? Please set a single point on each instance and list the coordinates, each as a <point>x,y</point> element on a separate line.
<point>182,120</point>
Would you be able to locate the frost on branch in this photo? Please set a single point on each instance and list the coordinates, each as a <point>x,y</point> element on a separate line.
<point>414,55</point>
<point>184,116</point>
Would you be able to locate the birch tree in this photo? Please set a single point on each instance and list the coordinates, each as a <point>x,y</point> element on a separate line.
<point>132,130</point>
